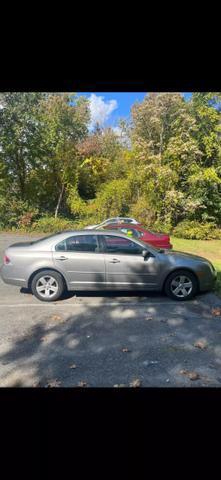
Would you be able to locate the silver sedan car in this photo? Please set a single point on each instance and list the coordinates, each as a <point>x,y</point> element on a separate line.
<point>103,260</point>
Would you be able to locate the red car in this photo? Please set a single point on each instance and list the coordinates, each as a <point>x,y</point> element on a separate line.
<point>159,240</point>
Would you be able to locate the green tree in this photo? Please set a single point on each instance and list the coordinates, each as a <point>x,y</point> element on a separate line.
<point>65,119</point>
<point>20,138</point>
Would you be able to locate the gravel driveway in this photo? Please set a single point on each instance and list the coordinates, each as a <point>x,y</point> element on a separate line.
<point>107,339</point>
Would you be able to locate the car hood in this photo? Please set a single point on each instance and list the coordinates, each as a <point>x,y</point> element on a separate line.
<point>176,253</point>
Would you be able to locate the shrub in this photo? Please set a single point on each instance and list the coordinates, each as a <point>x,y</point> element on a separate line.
<point>113,199</point>
<point>16,213</point>
<point>142,212</point>
<point>162,226</point>
<point>196,230</point>
<point>50,224</point>
<point>26,220</point>
<point>78,207</point>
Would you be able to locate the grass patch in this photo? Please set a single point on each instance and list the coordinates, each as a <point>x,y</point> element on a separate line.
<point>210,249</point>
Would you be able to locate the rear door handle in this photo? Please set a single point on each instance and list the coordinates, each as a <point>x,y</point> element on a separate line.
<point>62,258</point>
<point>114,260</point>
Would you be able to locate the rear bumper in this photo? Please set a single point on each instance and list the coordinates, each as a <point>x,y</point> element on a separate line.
<point>9,278</point>
<point>166,246</point>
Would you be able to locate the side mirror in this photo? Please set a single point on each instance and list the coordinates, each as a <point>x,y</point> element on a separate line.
<point>145,253</point>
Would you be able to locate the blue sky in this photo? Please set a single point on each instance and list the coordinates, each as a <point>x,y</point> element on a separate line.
<point>109,107</point>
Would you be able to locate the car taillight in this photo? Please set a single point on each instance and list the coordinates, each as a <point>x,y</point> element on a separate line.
<point>6,260</point>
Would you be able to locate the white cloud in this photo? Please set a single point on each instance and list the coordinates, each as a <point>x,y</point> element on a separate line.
<point>117,131</point>
<point>100,109</point>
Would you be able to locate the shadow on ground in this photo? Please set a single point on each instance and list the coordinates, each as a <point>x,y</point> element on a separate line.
<point>99,346</point>
<point>104,294</point>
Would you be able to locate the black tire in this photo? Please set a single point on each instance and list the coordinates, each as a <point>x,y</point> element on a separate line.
<point>58,285</point>
<point>169,287</point>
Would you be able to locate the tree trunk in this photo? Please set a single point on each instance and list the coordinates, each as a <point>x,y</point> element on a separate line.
<point>161,142</point>
<point>59,201</point>
<point>21,172</point>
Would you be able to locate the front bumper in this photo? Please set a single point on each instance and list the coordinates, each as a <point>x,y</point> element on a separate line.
<point>207,279</point>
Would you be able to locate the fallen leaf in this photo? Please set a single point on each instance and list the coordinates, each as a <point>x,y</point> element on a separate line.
<point>82,384</point>
<point>190,375</point>
<point>73,366</point>
<point>53,383</point>
<point>135,383</point>
<point>216,311</point>
<point>125,350</point>
<point>200,344</point>
<point>56,318</point>
<point>37,385</point>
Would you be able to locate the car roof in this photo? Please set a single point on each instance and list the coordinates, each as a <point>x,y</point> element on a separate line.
<point>128,225</point>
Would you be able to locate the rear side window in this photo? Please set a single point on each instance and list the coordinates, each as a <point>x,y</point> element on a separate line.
<point>130,231</point>
<point>78,243</point>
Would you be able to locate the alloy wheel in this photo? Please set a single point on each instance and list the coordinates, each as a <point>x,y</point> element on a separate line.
<point>181,286</point>
<point>47,286</point>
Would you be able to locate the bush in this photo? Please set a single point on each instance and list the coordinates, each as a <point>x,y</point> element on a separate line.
<point>49,224</point>
<point>196,230</point>
<point>78,207</point>
<point>162,226</point>
<point>16,214</point>
<point>114,199</point>
<point>142,212</point>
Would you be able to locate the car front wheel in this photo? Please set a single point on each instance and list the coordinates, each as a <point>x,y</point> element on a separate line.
<point>47,285</point>
<point>181,285</point>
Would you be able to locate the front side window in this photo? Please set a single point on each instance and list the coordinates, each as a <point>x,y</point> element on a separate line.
<point>112,244</point>
<point>78,243</point>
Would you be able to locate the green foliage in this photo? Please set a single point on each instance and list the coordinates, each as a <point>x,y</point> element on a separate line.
<point>78,207</point>
<point>143,212</point>
<point>164,169</point>
<point>49,224</point>
<point>196,230</point>
<point>16,214</point>
<point>113,199</point>
<point>205,186</point>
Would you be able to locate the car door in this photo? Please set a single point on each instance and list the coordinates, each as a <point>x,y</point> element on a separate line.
<point>126,268</point>
<point>81,261</point>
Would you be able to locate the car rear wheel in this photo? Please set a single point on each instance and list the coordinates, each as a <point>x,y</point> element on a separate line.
<point>47,285</point>
<point>181,285</point>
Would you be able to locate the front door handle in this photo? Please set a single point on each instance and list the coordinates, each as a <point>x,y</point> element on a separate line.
<point>62,257</point>
<point>114,260</point>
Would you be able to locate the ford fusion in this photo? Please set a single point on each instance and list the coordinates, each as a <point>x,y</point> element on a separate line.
<point>103,260</point>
